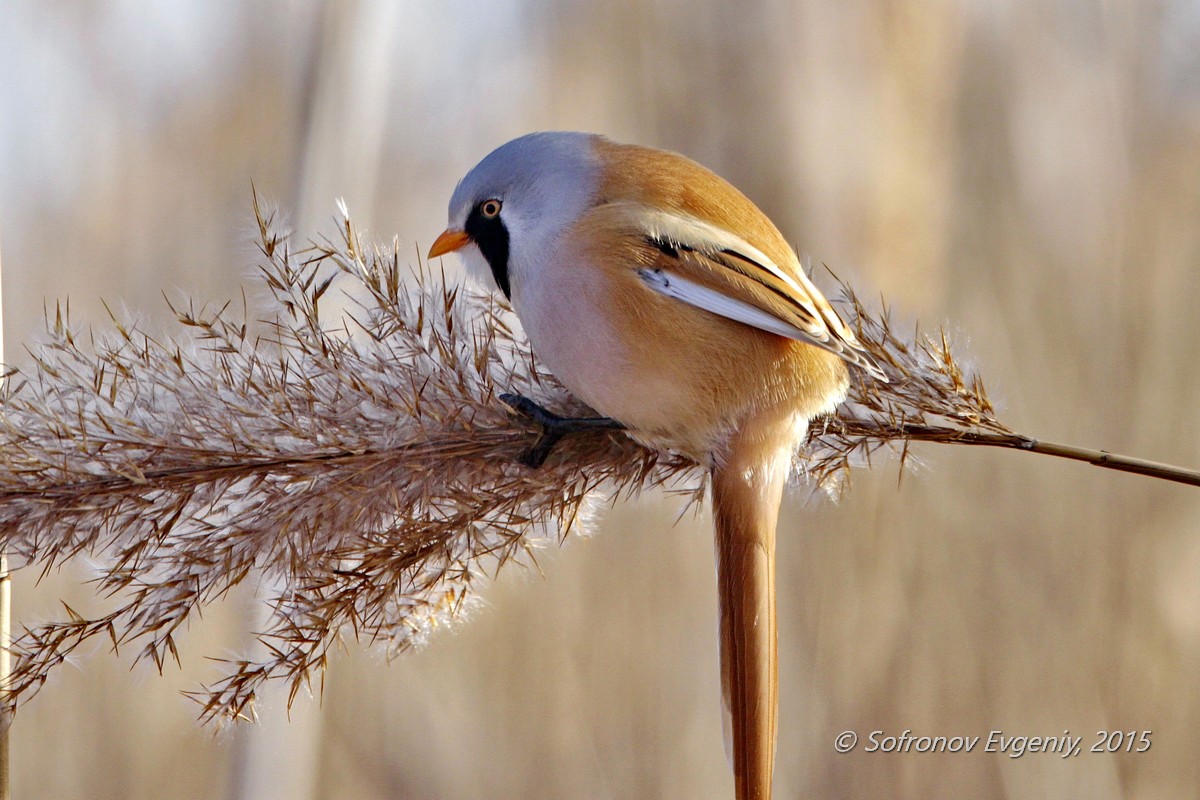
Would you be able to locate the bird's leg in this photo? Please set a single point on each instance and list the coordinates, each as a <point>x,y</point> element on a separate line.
<point>553,426</point>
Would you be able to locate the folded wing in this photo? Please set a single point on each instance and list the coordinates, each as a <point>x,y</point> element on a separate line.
<point>705,266</point>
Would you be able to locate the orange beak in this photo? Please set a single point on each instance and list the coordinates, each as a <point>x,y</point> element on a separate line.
<point>448,242</point>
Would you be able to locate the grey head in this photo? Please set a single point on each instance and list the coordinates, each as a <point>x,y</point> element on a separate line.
<point>516,202</point>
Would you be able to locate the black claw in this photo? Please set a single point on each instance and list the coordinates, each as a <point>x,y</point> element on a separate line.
<point>535,456</point>
<point>554,427</point>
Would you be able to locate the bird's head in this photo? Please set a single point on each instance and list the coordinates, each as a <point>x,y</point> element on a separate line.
<point>516,203</point>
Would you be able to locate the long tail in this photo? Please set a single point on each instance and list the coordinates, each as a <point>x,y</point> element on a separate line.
<point>746,493</point>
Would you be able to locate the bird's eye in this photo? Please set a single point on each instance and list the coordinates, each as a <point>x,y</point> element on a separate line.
<point>490,208</point>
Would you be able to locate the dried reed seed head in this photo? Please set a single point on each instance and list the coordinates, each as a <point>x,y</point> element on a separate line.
<point>359,460</point>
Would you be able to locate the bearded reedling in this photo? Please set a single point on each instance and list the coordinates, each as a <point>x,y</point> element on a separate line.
<point>664,299</point>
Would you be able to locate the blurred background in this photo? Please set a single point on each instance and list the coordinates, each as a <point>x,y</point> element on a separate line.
<point>1026,173</point>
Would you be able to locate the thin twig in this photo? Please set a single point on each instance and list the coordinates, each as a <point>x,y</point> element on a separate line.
<point>1016,441</point>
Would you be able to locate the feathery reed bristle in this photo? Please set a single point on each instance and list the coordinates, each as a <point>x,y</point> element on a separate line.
<point>928,397</point>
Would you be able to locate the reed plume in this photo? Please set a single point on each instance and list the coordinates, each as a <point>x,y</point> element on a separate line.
<point>359,459</point>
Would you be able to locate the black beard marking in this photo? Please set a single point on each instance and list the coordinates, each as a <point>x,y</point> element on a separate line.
<point>491,237</point>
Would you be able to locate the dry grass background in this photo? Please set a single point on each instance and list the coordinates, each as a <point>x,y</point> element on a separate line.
<point>1029,174</point>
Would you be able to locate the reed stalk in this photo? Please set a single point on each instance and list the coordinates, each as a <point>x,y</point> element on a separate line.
<point>6,705</point>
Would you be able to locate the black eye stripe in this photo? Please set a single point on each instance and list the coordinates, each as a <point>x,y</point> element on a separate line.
<point>491,237</point>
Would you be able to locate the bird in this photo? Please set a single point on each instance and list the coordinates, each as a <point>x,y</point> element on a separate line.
<point>664,299</point>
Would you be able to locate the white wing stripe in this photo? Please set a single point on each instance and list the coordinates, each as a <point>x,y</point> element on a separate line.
<point>709,238</point>
<point>722,305</point>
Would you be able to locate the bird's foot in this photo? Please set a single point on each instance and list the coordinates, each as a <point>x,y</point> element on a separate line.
<point>553,426</point>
